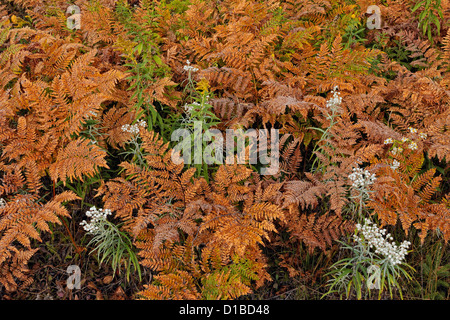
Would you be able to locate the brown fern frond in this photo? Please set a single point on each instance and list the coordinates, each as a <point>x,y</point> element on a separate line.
<point>404,195</point>
<point>320,231</point>
<point>179,285</point>
<point>112,122</point>
<point>302,193</point>
<point>79,158</point>
<point>21,220</point>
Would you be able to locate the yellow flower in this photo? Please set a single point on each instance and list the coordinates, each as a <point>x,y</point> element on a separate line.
<point>203,85</point>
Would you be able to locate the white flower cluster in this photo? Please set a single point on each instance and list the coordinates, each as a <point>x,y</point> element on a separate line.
<point>412,145</point>
<point>189,107</point>
<point>380,241</point>
<point>395,165</point>
<point>96,215</point>
<point>188,67</point>
<point>396,150</point>
<point>134,129</point>
<point>335,101</point>
<point>361,178</point>
<point>422,135</point>
<point>412,130</point>
<point>2,203</point>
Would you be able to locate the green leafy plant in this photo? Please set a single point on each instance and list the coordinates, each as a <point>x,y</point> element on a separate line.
<point>199,112</point>
<point>431,12</point>
<point>361,181</point>
<point>354,32</point>
<point>110,243</point>
<point>333,105</point>
<point>433,281</point>
<point>147,70</point>
<point>234,278</point>
<point>386,262</point>
<point>134,144</point>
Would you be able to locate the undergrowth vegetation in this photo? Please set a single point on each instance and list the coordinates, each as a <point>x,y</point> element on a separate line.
<point>359,207</point>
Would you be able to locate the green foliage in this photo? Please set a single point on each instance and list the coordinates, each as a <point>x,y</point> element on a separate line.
<point>144,62</point>
<point>176,6</point>
<point>114,247</point>
<point>234,276</point>
<point>431,12</point>
<point>198,119</point>
<point>433,274</point>
<point>364,271</point>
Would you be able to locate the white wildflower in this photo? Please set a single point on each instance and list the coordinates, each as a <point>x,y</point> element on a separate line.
<point>404,139</point>
<point>412,130</point>
<point>423,135</point>
<point>335,101</point>
<point>189,107</point>
<point>388,141</point>
<point>396,150</point>
<point>377,239</point>
<point>361,178</point>
<point>412,146</point>
<point>395,165</point>
<point>190,68</point>
<point>134,129</point>
<point>97,216</point>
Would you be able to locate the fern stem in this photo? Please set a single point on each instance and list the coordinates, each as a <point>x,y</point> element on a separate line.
<point>78,249</point>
